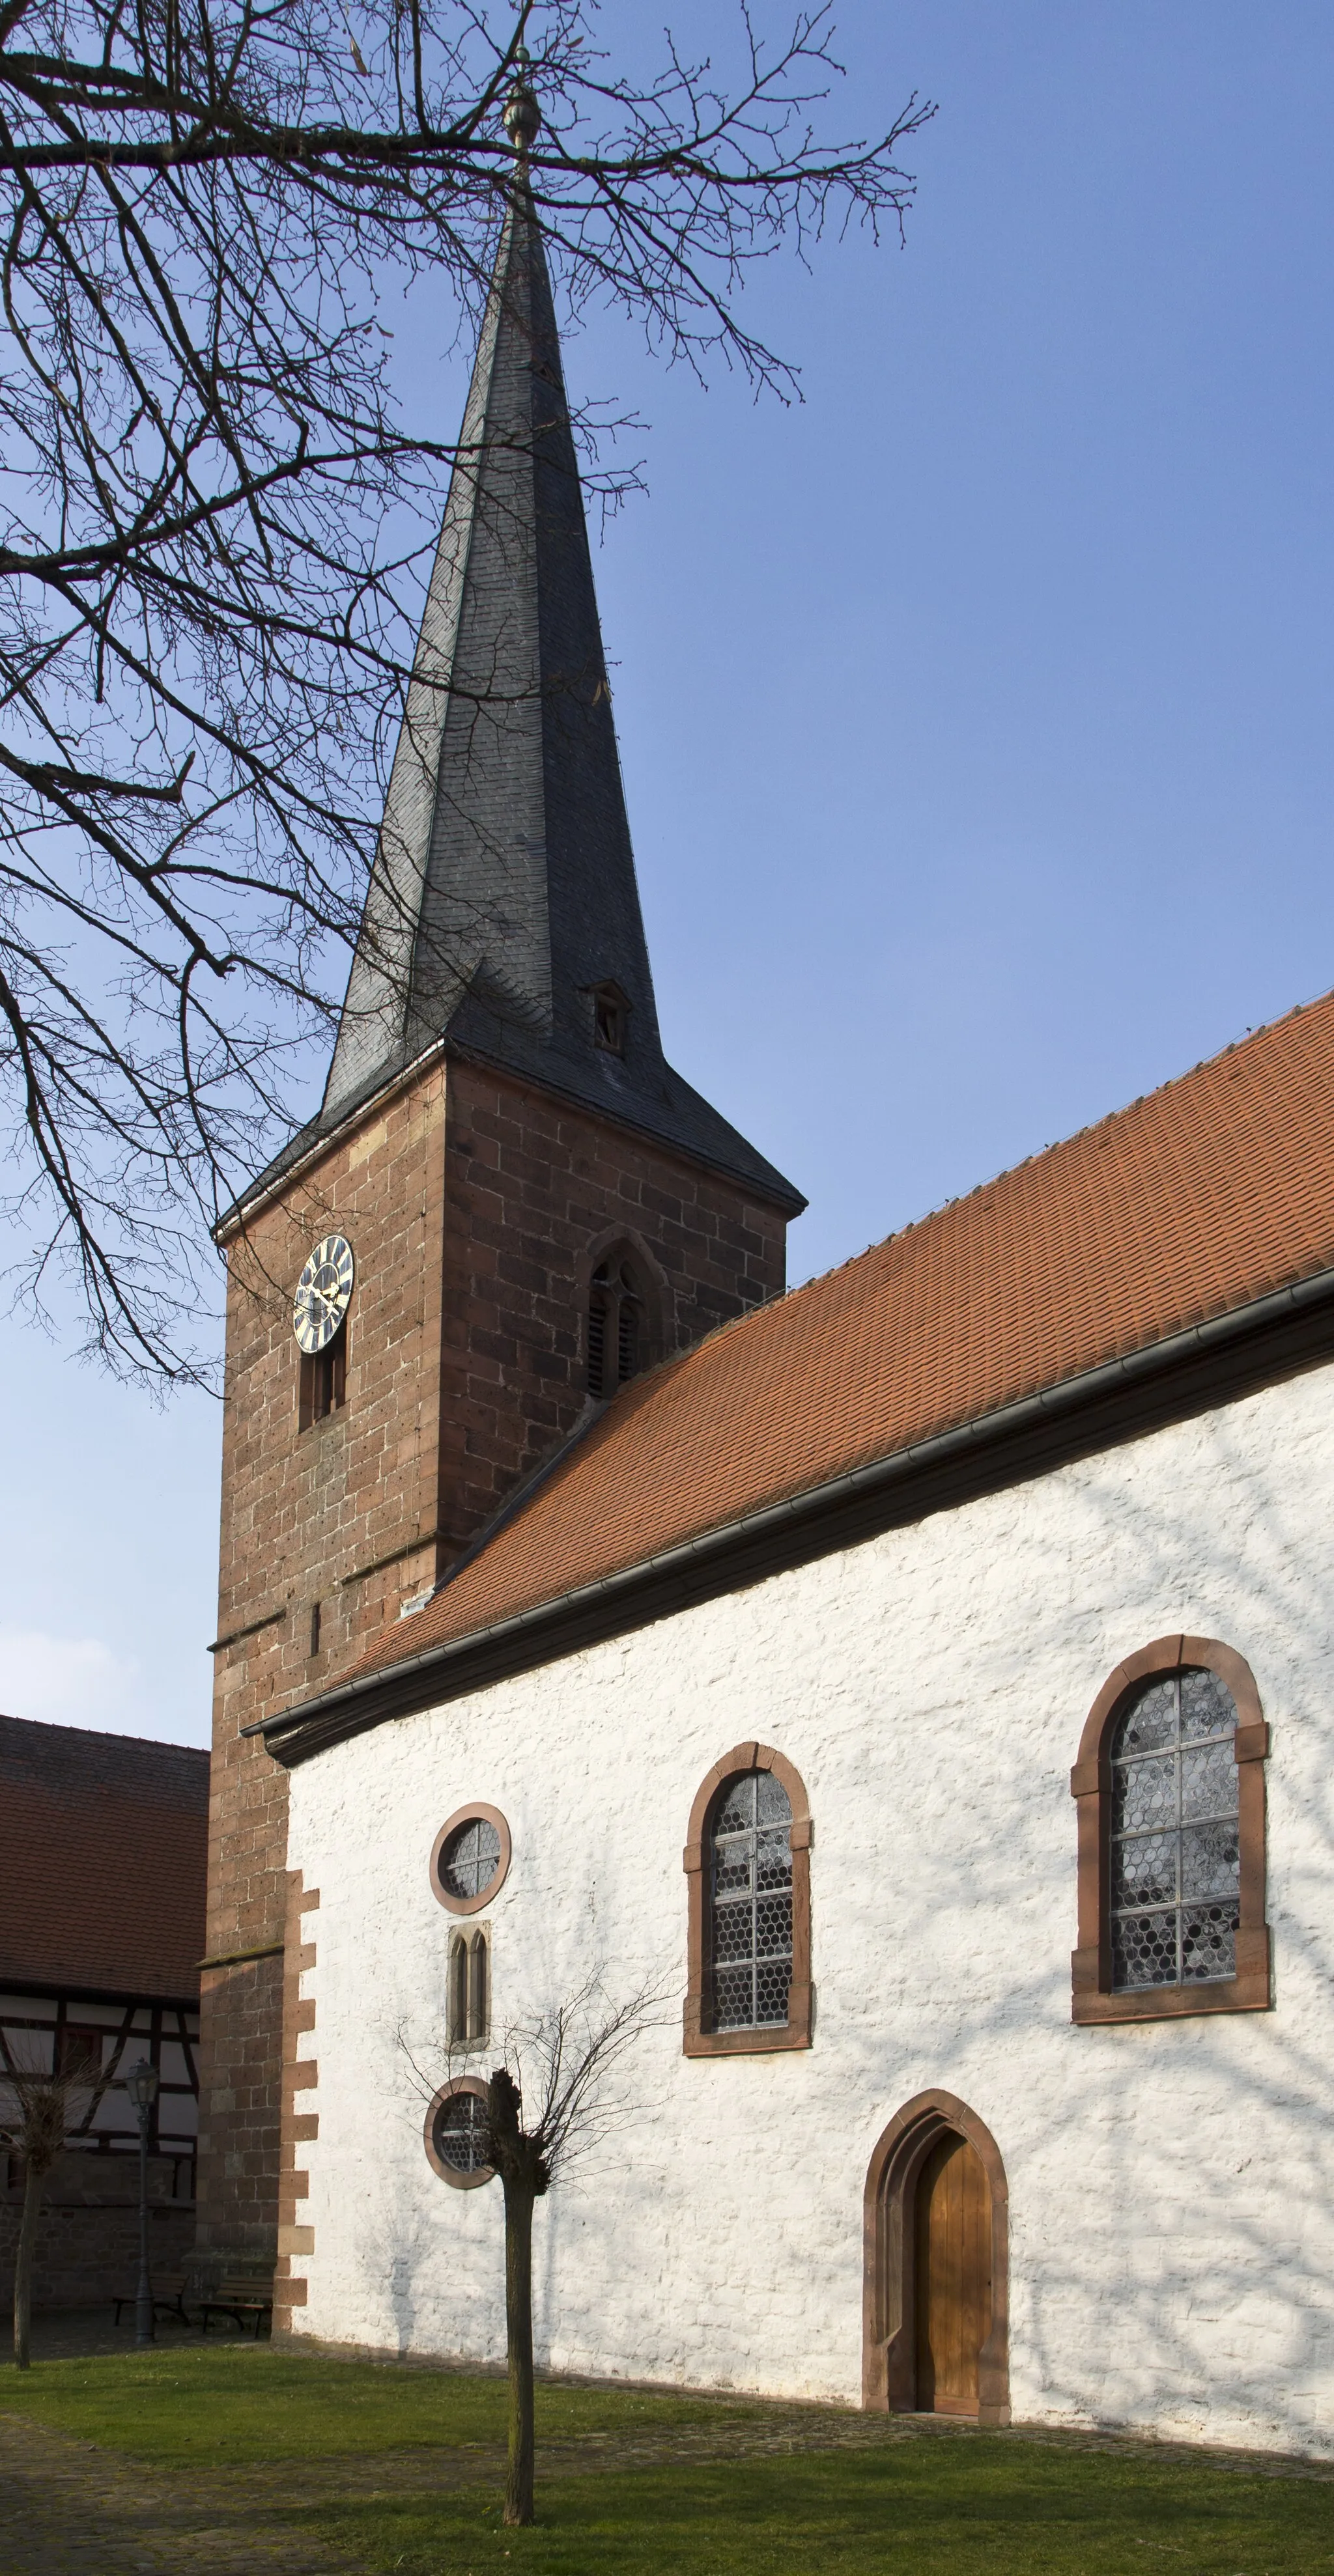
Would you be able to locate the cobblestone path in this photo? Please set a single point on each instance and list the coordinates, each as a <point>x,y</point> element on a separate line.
<point>70,2509</point>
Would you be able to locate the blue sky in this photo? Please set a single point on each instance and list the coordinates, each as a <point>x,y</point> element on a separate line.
<point>975,713</point>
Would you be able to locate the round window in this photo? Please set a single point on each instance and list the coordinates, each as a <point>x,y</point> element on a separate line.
<point>458,2138</point>
<point>470,1858</point>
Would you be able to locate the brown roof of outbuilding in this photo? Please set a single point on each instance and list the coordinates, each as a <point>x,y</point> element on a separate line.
<point>1193,1202</point>
<point>103,1861</point>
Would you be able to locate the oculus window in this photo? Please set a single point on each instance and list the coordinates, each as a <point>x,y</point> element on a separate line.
<point>457,2136</point>
<point>470,1858</point>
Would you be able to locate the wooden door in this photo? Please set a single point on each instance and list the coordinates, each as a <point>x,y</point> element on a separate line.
<point>953,2276</point>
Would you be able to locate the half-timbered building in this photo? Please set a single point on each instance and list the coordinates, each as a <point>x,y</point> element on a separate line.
<point>103,1852</point>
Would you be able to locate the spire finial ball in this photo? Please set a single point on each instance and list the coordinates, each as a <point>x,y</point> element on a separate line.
<point>523,116</point>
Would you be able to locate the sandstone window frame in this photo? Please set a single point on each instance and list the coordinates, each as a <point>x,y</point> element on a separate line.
<point>1093,1997</point>
<point>475,1812</point>
<point>452,2174</point>
<point>468,1987</point>
<point>600,1286</point>
<point>757,2039</point>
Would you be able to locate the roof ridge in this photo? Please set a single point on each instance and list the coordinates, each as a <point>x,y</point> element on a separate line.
<point>103,1734</point>
<point>786,1297</point>
<point>1058,1145</point>
<point>1196,1211</point>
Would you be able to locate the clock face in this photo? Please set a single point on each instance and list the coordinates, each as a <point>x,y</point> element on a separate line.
<point>322,1293</point>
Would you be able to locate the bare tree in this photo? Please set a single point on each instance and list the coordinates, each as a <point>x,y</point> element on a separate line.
<point>550,2106</point>
<point>32,2127</point>
<point>213,517</point>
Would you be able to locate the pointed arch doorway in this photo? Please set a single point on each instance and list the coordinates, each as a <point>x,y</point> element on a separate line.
<point>936,2272</point>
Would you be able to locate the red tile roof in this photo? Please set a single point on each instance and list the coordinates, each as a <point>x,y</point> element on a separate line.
<point>1195,1201</point>
<point>103,1858</point>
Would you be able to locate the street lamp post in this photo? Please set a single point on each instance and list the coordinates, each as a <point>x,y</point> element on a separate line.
<point>141,2085</point>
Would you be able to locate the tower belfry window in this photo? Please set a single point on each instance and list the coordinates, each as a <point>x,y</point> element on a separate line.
<point>322,1382</point>
<point>616,1327</point>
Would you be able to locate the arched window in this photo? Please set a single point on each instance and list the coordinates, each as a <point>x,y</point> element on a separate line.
<point>469,1999</point>
<point>457,2014</point>
<point>750,1903</point>
<point>617,1333</point>
<point>748,1866</point>
<point>1170,1791</point>
<point>479,1986</point>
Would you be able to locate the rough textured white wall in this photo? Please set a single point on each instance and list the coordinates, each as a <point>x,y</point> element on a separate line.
<point>1171,2184</point>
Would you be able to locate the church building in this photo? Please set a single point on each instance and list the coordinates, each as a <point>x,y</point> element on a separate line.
<point>924,1677</point>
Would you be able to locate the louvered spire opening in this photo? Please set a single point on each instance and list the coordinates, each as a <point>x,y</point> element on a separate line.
<point>617,1335</point>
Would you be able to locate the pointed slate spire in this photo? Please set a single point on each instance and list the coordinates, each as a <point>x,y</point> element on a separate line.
<point>503,902</point>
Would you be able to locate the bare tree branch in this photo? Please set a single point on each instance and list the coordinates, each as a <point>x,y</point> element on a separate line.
<point>213,523</point>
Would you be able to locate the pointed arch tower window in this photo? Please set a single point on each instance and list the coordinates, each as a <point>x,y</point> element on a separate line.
<point>617,1325</point>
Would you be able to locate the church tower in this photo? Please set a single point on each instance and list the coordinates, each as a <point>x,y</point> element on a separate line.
<point>507,1204</point>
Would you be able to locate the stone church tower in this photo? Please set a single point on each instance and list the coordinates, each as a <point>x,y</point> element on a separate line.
<point>534,1204</point>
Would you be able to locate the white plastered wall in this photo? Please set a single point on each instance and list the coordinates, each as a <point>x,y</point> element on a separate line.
<point>1171,2184</point>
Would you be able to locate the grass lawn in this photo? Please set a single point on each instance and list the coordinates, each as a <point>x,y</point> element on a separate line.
<point>939,2505</point>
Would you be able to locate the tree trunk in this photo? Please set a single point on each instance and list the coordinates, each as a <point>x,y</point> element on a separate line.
<point>519,2196</point>
<point>32,2202</point>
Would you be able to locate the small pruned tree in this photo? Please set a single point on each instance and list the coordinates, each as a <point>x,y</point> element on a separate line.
<point>34,2122</point>
<point>556,2098</point>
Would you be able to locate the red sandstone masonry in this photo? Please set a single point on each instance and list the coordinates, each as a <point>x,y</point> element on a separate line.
<point>476,1207</point>
<point>304,1512</point>
<point>536,1190</point>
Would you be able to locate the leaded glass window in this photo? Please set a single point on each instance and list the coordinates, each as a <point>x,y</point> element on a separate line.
<point>1175,1841</point>
<point>470,1858</point>
<point>750,1897</point>
<point>461,2133</point>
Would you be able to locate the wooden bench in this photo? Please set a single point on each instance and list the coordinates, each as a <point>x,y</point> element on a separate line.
<point>240,2299</point>
<point>168,2297</point>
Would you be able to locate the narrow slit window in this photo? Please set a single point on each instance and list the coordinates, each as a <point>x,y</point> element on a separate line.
<point>627,1340</point>
<point>478,1983</point>
<point>457,2012</point>
<point>597,1335</point>
<point>323,1386</point>
<point>468,2001</point>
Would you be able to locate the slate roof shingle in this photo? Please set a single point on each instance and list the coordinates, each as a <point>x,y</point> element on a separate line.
<point>504,885</point>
